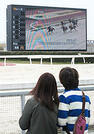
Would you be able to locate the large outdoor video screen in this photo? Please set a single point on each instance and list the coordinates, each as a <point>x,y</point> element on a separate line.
<point>39,28</point>
<point>49,28</point>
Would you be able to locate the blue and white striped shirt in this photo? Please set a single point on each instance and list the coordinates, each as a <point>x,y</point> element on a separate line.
<point>70,107</point>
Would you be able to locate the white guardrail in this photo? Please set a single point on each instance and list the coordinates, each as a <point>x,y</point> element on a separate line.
<point>41,57</point>
<point>22,91</point>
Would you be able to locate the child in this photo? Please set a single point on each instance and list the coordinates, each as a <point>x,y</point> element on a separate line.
<point>70,106</point>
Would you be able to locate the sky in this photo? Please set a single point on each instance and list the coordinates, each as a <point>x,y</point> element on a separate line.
<point>86,4</point>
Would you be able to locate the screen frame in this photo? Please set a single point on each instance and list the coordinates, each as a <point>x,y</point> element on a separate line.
<point>50,7</point>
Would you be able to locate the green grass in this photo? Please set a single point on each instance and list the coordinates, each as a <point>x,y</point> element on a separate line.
<point>26,61</point>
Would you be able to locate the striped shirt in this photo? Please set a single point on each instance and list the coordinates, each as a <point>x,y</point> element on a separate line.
<point>70,107</point>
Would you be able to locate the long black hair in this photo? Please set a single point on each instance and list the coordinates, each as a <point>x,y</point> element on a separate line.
<point>45,91</point>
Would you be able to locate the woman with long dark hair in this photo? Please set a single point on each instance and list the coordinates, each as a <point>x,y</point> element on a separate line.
<point>40,112</point>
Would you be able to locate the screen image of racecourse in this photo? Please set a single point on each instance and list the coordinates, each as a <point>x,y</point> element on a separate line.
<point>46,28</point>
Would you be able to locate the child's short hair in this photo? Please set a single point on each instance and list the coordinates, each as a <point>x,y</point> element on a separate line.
<point>69,77</point>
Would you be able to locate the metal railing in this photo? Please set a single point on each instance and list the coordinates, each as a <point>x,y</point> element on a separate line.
<point>22,96</point>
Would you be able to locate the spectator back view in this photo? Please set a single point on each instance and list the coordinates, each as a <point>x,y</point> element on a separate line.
<point>70,106</point>
<point>40,112</point>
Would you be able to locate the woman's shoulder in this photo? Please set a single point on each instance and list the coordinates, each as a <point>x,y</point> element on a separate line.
<point>32,101</point>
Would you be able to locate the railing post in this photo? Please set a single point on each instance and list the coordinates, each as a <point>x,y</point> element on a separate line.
<point>73,60</point>
<point>22,107</point>
<point>5,61</point>
<point>41,60</point>
<point>84,59</point>
<point>30,61</point>
<point>22,102</point>
<point>51,60</point>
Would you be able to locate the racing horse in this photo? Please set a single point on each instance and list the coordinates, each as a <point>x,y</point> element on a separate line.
<point>72,27</point>
<point>73,24</point>
<point>64,27</point>
<point>73,21</point>
<point>50,29</point>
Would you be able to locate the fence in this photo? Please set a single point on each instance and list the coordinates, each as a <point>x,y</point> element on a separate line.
<point>12,102</point>
<point>41,57</point>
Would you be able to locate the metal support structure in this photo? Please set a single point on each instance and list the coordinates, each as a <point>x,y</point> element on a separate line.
<point>22,102</point>
<point>22,107</point>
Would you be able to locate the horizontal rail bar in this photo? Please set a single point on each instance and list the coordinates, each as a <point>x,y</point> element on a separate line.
<point>45,56</point>
<point>20,86</point>
<point>27,92</point>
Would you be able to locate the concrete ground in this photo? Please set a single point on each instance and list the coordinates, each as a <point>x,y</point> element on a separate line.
<point>29,73</point>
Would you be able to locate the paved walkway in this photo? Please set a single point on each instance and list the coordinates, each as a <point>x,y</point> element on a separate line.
<point>29,73</point>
